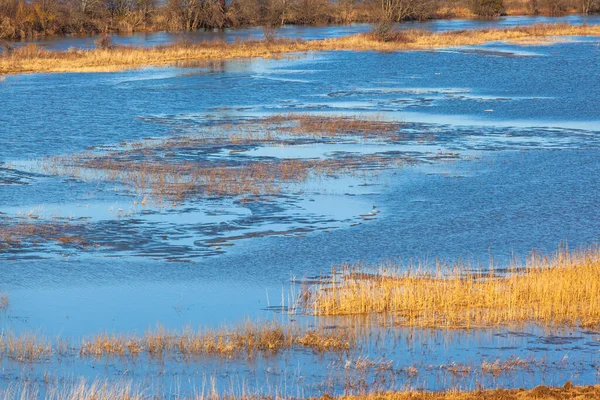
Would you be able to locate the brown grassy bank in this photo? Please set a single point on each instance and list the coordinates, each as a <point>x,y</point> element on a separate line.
<point>562,290</point>
<point>31,59</point>
<point>541,392</point>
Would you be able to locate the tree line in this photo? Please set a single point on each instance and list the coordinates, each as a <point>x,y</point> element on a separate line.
<point>21,19</point>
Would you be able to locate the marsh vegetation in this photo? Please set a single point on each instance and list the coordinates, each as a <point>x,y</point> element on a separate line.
<point>304,163</point>
<point>561,290</point>
<point>174,169</point>
<point>126,390</point>
<point>33,59</point>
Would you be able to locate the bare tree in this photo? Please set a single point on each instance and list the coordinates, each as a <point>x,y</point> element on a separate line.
<point>402,10</point>
<point>589,6</point>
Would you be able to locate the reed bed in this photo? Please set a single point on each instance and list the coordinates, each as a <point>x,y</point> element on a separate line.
<point>496,368</point>
<point>560,290</point>
<point>246,340</point>
<point>499,367</point>
<point>125,390</point>
<point>32,59</point>
<point>540,392</point>
<point>82,390</point>
<point>25,347</point>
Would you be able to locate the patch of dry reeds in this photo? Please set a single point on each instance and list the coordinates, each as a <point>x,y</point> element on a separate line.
<point>126,390</point>
<point>246,340</point>
<point>561,290</point>
<point>25,347</point>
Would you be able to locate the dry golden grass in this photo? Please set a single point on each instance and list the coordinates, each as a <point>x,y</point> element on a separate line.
<point>24,347</point>
<point>331,125</point>
<point>499,367</point>
<point>541,392</point>
<point>562,290</point>
<point>82,390</point>
<point>246,340</point>
<point>496,367</point>
<point>125,390</point>
<point>32,59</point>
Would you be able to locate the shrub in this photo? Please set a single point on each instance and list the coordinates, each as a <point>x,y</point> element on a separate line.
<point>554,7</point>
<point>384,31</point>
<point>104,42</point>
<point>487,8</point>
<point>270,33</point>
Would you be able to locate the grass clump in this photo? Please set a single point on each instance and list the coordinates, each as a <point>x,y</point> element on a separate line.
<point>248,340</point>
<point>562,290</point>
<point>24,347</point>
<point>245,340</point>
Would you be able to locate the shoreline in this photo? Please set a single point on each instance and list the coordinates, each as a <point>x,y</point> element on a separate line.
<point>442,15</point>
<point>33,59</point>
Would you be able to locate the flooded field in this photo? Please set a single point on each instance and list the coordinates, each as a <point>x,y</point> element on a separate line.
<point>161,229</point>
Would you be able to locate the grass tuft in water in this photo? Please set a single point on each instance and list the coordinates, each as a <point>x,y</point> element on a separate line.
<point>561,290</point>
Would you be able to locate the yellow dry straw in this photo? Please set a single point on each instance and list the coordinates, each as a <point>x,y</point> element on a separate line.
<point>561,290</point>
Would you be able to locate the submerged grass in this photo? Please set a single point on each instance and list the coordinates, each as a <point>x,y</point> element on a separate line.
<point>321,126</point>
<point>179,180</point>
<point>561,290</point>
<point>16,233</point>
<point>178,168</point>
<point>32,59</point>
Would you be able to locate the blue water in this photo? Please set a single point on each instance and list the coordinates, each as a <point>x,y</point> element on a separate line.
<point>524,120</point>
